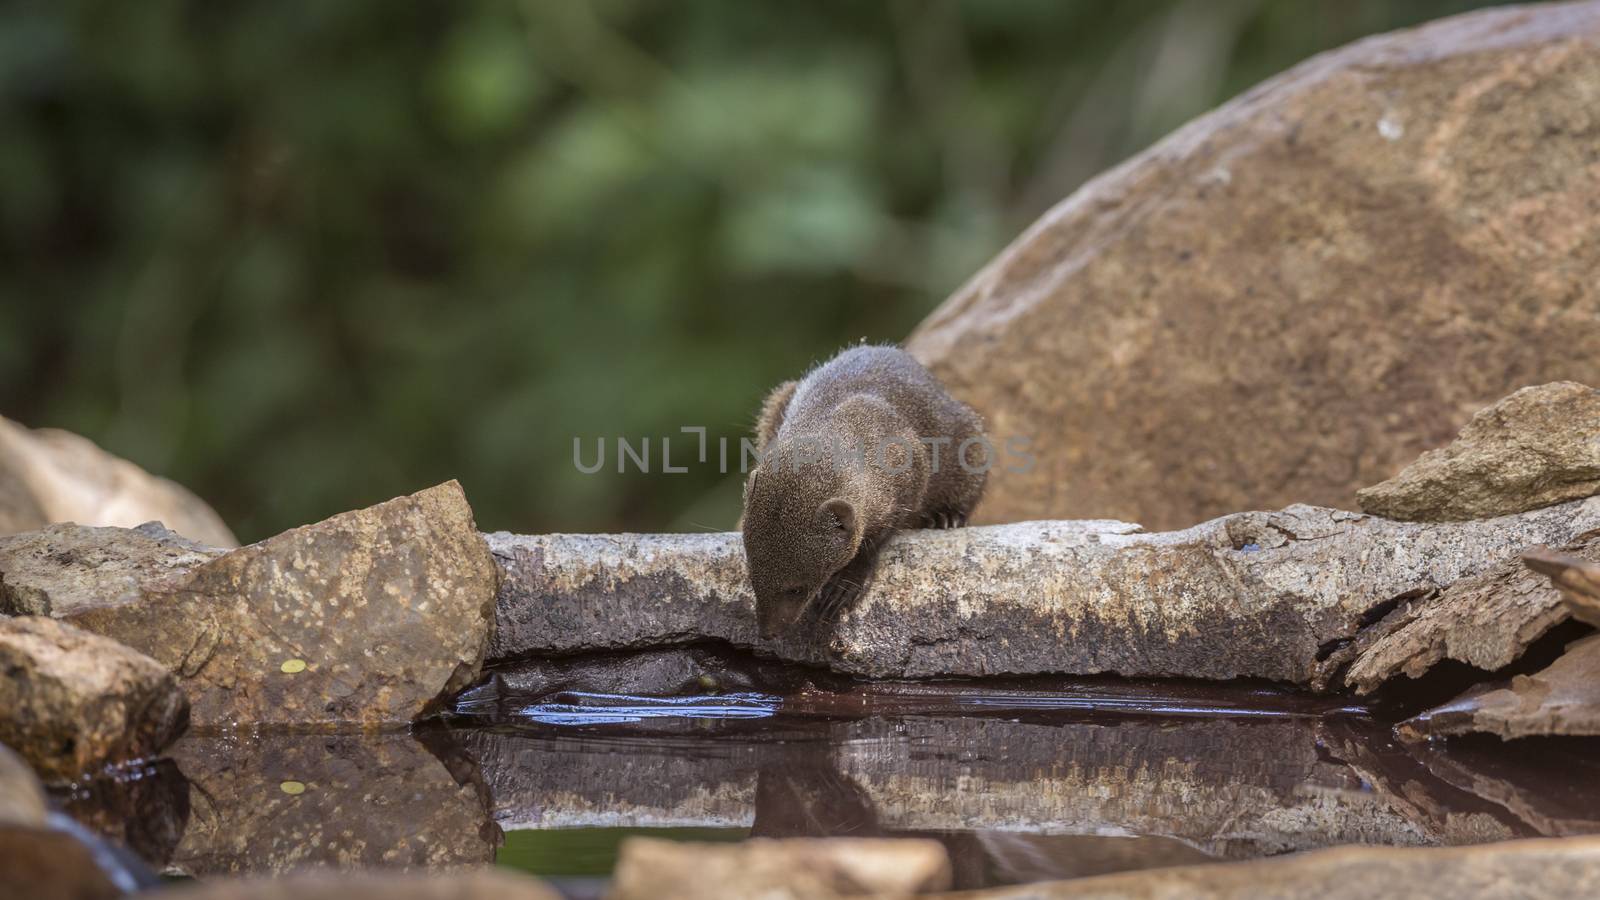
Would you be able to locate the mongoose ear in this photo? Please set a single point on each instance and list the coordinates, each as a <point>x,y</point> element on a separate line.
<point>840,512</point>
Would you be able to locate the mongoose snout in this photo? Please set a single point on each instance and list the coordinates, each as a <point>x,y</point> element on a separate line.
<point>849,455</point>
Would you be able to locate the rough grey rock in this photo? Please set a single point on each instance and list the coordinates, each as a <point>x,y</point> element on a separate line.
<point>48,475</point>
<point>793,869</point>
<point>1297,293</point>
<point>63,568</point>
<point>1537,447</point>
<point>281,803</point>
<point>1563,698</point>
<point>1486,620</point>
<point>367,619</point>
<point>1553,868</point>
<point>72,702</point>
<point>1262,594</point>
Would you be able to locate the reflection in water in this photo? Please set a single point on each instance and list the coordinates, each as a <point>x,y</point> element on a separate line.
<point>1018,786</point>
<point>143,808</point>
<point>1021,781</point>
<point>585,708</point>
<point>283,802</point>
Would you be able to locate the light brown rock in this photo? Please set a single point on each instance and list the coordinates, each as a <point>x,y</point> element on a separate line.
<point>72,702</point>
<point>22,799</point>
<point>1563,698</point>
<point>1485,620</point>
<point>1539,446</point>
<point>1296,294</point>
<point>1577,579</point>
<point>1527,870</point>
<point>487,884</point>
<point>48,475</point>
<point>1261,594</point>
<point>45,864</point>
<point>790,869</point>
<point>366,619</point>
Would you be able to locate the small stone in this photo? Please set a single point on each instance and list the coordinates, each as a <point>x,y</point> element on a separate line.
<point>794,869</point>
<point>74,702</point>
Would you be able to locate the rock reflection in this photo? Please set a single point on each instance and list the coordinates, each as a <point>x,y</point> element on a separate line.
<point>267,804</point>
<point>143,808</point>
<point>1031,794</point>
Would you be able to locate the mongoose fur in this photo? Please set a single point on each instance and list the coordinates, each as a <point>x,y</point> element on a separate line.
<point>863,445</point>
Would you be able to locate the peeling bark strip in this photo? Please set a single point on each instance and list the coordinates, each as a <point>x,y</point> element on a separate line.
<point>1486,621</point>
<point>1255,594</point>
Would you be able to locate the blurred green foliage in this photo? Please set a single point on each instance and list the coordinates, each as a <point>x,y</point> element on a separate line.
<point>303,255</point>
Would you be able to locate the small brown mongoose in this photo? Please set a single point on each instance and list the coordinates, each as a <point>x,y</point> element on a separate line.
<point>863,445</point>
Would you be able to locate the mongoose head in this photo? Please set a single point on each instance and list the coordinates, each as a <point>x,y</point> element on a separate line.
<point>800,527</point>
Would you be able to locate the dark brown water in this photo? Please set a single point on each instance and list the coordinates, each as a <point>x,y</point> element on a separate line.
<point>1022,780</point>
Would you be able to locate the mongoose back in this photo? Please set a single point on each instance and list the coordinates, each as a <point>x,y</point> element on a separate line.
<point>861,446</point>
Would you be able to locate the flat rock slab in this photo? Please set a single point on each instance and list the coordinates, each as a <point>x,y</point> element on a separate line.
<point>1539,446</point>
<point>1561,699</point>
<point>1554,868</point>
<point>72,702</point>
<point>1259,594</point>
<point>367,619</point>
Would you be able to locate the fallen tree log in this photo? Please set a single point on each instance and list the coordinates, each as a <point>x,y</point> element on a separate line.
<point>1258,594</point>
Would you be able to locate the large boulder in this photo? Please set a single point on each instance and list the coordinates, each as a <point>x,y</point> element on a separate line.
<point>1536,447</point>
<point>366,619</point>
<point>48,475</point>
<point>73,702</point>
<point>1293,296</point>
